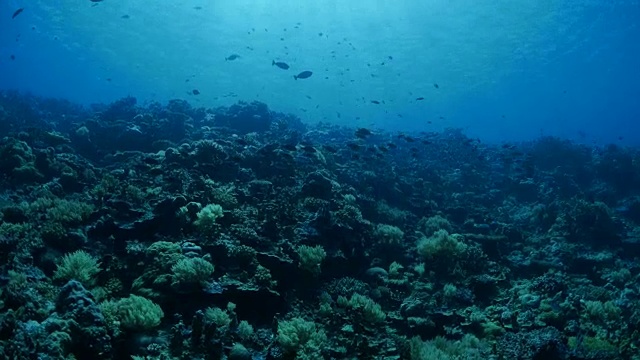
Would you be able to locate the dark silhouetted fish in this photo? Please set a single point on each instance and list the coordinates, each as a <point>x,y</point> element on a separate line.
<point>12,57</point>
<point>363,133</point>
<point>196,92</point>
<point>303,75</point>
<point>232,57</point>
<point>309,149</point>
<point>17,12</point>
<point>280,64</point>
<point>125,16</point>
<point>375,102</point>
<point>419,98</point>
<point>436,86</point>
<point>96,1</point>
<point>330,148</point>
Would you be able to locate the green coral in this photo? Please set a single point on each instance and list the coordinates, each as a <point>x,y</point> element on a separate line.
<point>218,317</point>
<point>134,313</point>
<point>66,212</point>
<point>388,234</point>
<point>191,271</point>
<point>245,330</point>
<point>364,307</point>
<point>206,218</point>
<point>591,347</point>
<point>301,337</point>
<point>467,348</point>
<point>432,224</point>
<point>78,266</point>
<point>441,245</point>
<point>311,258</point>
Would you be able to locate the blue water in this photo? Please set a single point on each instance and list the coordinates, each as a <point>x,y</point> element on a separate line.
<point>506,70</point>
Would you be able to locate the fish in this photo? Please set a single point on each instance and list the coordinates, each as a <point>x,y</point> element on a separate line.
<point>375,102</point>
<point>232,57</point>
<point>125,16</point>
<point>195,92</point>
<point>17,12</point>
<point>330,149</point>
<point>96,1</point>
<point>303,75</point>
<point>309,149</point>
<point>280,64</point>
<point>363,133</point>
<point>435,85</point>
<point>419,98</point>
<point>12,57</point>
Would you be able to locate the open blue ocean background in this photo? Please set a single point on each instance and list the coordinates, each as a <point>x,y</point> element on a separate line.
<point>505,70</point>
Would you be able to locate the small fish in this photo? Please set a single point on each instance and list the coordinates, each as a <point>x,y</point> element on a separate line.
<point>363,133</point>
<point>419,98</point>
<point>12,57</point>
<point>375,102</point>
<point>96,1</point>
<point>436,86</point>
<point>280,64</point>
<point>330,149</point>
<point>303,75</point>
<point>17,12</point>
<point>125,16</point>
<point>232,57</point>
<point>195,92</point>
<point>309,149</point>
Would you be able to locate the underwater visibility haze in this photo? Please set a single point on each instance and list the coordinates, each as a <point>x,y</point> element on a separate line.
<point>319,179</point>
<point>505,69</point>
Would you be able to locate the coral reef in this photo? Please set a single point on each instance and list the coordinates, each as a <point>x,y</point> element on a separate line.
<point>172,232</point>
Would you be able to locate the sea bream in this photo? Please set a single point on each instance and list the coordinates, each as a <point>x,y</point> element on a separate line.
<point>303,75</point>
<point>280,64</point>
